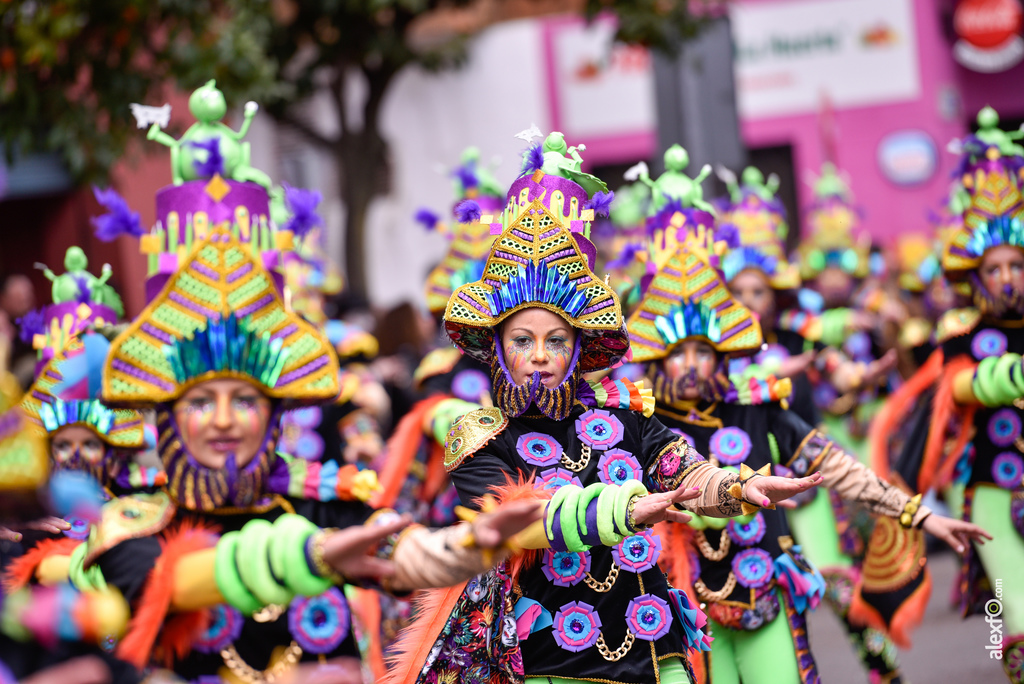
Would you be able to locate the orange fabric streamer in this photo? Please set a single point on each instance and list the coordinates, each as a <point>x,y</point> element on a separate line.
<point>676,542</point>
<point>937,466</point>
<point>401,449</point>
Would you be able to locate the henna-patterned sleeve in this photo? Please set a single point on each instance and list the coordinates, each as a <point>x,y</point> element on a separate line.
<point>677,463</point>
<point>849,478</point>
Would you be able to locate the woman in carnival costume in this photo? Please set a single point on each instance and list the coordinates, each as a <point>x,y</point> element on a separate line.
<point>578,611</point>
<point>972,432</point>
<point>759,277</point>
<point>755,582</point>
<point>227,570</point>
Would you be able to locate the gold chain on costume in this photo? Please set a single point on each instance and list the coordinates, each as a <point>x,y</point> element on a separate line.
<point>715,596</point>
<point>577,466</point>
<point>605,586</point>
<point>724,543</point>
<point>620,652</point>
<point>251,675</point>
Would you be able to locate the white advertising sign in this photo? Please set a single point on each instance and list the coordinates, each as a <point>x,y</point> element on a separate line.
<point>791,56</point>
<point>598,88</point>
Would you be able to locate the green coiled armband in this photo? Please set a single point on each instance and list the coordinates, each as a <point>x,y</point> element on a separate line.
<point>626,491</point>
<point>288,556</point>
<point>606,517</point>
<point>590,493</point>
<point>254,564</point>
<point>225,573</point>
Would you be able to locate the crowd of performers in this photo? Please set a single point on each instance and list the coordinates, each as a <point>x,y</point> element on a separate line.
<point>650,439</point>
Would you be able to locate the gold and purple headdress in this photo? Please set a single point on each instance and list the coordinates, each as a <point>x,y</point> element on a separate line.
<point>989,200</point>
<point>687,298</point>
<point>835,239</point>
<point>541,258</point>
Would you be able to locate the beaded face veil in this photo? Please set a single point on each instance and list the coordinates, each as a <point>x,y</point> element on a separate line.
<point>538,260</point>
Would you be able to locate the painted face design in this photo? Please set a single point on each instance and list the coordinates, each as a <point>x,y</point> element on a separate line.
<point>1002,275</point>
<point>690,372</point>
<point>78,448</point>
<point>219,418</point>
<point>537,341</point>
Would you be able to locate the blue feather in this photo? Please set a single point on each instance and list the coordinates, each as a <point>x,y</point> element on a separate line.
<point>533,159</point>
<point>426,218</point>
<point>601,203</point>
<point>467,211</point>
<point>120,219</point>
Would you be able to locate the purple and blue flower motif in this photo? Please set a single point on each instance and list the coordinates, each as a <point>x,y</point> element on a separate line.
<point>299,435</point>
<point>988,343</point>
<point>638,553</point>
<point>319,623</point>
<point>79,527</point>
<point>688,438</point>
<point>730,445</point>
<point>1008,470</point>
<point>747,533</point>
<point>1004,427</point>
<point>224,629</point>
<point>553,478</point>
<point>471,384</point>
<point>753,568</point>
<point>599,429</point>
<point>649,617</point>
<point>617,466</point>
<point>565,568</point>
<point>539,449</point>
<point>577,626</point>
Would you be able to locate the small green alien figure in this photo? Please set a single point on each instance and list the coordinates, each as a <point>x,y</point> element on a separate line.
<point>830,184</point>
<point>753,181</point>
<point>560,160</point>
<point>991,134</point>
<point>209,147</point>
<point>487,184</point>
<point>77,284</point>
<point>673,184</point>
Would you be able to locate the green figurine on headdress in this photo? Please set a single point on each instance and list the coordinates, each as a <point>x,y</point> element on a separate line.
<point>209,147</point>
<point>77,283</point>
<point>830,184</point>
<point>991,134</point>
<point>564,161</point>
<point>675,185</point>
<point>753,180</point>
<point>486,184</point>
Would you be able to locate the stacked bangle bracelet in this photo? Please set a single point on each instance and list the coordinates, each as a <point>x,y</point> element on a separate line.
<point>602,514</point>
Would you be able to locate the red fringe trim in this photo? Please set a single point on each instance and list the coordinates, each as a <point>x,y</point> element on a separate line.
<point>937,466</point>
<point>904,621</point>
<point>896,408</point>
<point>150,613</point>
<point>22,570</point>
<point>401,450</point>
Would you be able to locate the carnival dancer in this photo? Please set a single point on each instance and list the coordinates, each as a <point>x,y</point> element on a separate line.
<point>581,611</point>
<point>973,430</point>
<point>227,570</point>
<point>756,582</point>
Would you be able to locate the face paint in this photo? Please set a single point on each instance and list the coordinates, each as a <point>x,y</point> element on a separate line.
<point>535,340</point>
<point>219,419</point>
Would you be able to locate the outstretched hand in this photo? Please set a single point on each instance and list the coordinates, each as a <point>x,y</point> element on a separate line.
<point>770,489</point>
<point>346,550</point>
<point>655,508</point>
<point>956,533</point>
<point>491,530</point>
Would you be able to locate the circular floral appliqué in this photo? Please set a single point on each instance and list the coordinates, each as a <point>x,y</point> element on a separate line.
<point>988,343</point>
<point>565,568</point>
<point>539,449</point>
<point>224,629</point>
<point>753,568</point>
<point>79,528</point>
<point>470,385</point>
<point>1004,427</point>
<point>577,626</point>
<point>1008,470</point>
<point>319,623</point>
<point>649,617</point>
<point>617,466</point>
<point>599,429</point>
<point>730,445</point>
<point>638,553</point>
<point>553,478</point>
<point>748,533</point>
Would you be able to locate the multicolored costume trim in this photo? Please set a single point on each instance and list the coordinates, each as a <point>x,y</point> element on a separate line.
<point>623,393</point>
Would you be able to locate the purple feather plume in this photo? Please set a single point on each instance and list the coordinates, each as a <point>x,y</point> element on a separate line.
<point>727,232</point>
<point>467,211</point>
<point>31,324</point>
<point>302,204</point>
<point>84,295</point>
<point>626,257</point>
<point>214,163</point>
<point>119,219</point>
<point>601,203</point>
<point>533,159</point>
<point>466,175</point>
<point>426,218</point>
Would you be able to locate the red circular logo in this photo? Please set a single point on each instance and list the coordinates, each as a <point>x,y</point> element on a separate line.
<point>987,23</point>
